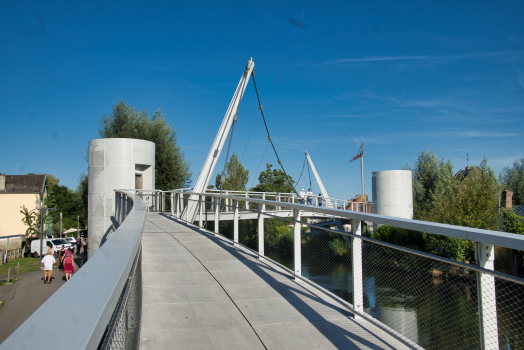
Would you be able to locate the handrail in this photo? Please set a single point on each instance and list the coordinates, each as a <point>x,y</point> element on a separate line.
<point>89,298</point>
<point>499,238</point>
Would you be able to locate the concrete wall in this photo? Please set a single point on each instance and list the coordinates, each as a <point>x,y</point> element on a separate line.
<point>10,217</point>
<point>113,164</point>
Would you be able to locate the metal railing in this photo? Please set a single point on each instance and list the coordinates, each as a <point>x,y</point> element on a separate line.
<point>101,305</point>
<point>425,300</point>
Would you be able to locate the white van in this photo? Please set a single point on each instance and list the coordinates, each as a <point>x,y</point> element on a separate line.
<point>55,244</point>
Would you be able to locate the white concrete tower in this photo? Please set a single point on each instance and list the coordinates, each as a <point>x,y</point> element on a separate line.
<point>115,164</point>
<point>393,193</point>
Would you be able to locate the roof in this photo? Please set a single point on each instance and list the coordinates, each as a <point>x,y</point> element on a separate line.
<point>464,172</point>
<point>25,183</point>
<point>519,210</point>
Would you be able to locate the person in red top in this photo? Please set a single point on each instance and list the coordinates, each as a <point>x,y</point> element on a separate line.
<point>69,265</point>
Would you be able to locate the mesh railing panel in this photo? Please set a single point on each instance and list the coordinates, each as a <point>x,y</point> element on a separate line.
<point>428,300</point>
<point>123,331</point>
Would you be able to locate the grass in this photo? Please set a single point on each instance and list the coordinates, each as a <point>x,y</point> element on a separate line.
<point>2,283</point>
<point>26,265</point>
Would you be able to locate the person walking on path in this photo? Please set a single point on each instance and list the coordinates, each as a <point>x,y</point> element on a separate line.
<point>48,264</point>
<point>85,246</point>
<point>69,267</point>
<point>61,255</point>
<point>309,197</point>
<point>301,196</point>
<point>78,245</point>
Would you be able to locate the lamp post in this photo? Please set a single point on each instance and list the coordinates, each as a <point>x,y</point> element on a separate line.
<point>60,224</point>
<point>78,226</point>
<point>42,227</point>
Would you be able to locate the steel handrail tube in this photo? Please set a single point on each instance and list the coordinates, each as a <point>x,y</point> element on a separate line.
<point>97,285</point>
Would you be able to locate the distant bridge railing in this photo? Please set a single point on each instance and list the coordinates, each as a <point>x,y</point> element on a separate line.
<point>162,199</point>
<point>100,306</point>
<point>425,300</point>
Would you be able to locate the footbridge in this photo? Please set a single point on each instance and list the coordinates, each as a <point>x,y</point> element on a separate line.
<point>160,281</point>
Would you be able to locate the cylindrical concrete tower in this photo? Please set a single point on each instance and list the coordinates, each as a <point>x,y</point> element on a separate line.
<point>115,164</point>
<point>393,193</point>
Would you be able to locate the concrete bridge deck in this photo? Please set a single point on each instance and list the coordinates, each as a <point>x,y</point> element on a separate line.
<point>201,292</point>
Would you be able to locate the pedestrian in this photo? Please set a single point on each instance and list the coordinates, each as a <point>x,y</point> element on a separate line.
<point>69,266</point>
<point>61,255</point>
<point>48,264</point>
<point>78,245</point>
<point>85,246</point>
<point>301,196</point>
<point>320,199</point>
<point>309,197</point>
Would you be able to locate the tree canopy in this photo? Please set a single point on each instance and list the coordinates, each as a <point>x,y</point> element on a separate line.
<point>513,178</point>
<point>274,180</point>
<point>171,169</point>
<point>236,177</point>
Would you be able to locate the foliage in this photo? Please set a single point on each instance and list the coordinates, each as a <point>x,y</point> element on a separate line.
<point>514,180</point>
<point>339,247</point>
<point>429,176</point>
<point>82,193</point>
<point>66,202</point>
<point>171,169</point>
<point>274,180</point>
<point>236,177</point>
<point>514,223</point>
<point>274,231</point>
<point>32,220</point>
<point>399,236</point>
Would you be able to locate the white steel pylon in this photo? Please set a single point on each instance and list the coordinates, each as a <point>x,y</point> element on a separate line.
<point>320,184</point>
<point>214,153</point>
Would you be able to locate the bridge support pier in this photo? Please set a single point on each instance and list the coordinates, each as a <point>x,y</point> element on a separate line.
<point>358,291</point>
<point>485,256</point>
<point>297,242</point>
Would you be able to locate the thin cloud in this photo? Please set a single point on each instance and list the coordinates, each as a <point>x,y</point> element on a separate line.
<point>418,57</point>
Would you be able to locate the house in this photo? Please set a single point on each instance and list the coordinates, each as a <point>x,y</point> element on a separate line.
<point>358,203</point>
<point>17,191</point>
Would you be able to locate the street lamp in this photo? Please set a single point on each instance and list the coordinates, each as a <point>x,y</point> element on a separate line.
<point>42,227</point>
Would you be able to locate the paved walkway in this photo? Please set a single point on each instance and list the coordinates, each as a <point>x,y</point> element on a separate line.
<point>24,297</point>
<point>200,292</point>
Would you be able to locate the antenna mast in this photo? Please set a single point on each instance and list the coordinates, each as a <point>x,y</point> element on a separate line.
<point>360,155</point>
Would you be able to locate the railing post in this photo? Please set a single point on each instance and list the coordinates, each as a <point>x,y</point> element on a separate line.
<point>247,203</point>
<point>172,198</point>
<point>488,326</point>
<point>177,205</point>
<point>200,211</point>
<point>297,242</point>
<point>180,204</point>
<point>227,202</point>
<point>356,245</point>
<point>217,212</point>
<point>235,221</point>
<point>261,209</point>
<point>278,200</point>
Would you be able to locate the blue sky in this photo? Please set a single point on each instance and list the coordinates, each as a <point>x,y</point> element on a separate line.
<point>401,76</point>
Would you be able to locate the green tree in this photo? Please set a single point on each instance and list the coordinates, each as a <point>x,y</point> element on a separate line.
<point>514,223</point>
<point>31,219</point>
<point>274,180</point>
<point>514,180</point>
<point>66,202</point>
<point>236,177</point>
<point>429,176</point>
<point>171,169</point>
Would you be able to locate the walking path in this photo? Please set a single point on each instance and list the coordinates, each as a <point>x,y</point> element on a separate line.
<point>24,297</point>
<point>201,292</point>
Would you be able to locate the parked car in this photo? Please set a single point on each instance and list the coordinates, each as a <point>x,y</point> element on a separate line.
<point>55,244</point>
<point>70,240</point>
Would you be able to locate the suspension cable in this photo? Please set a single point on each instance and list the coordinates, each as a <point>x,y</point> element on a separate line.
<point>269,136</point>
<point>222,177</point>
<point>249,137</point>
